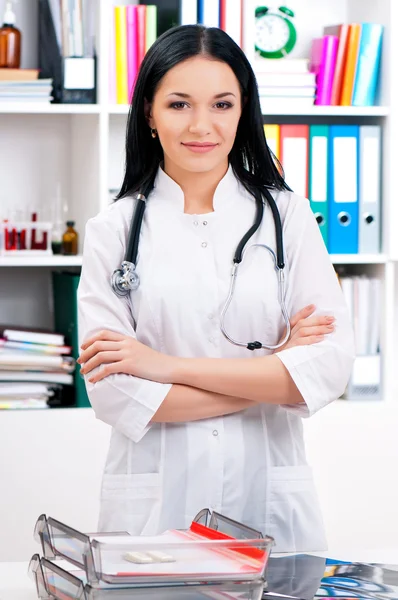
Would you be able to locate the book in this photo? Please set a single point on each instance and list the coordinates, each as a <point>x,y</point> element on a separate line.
<point>46,377</point>
<point>341,31</point>
<point>132,48</point>
<point>27,334</point>
<point>367,73</point>
<point>19,74</point>
<point>121,54</point>
<point>350,67</point>
<point>322,63</point>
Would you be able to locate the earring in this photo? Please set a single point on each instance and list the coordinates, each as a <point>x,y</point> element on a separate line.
<point>154,133</point>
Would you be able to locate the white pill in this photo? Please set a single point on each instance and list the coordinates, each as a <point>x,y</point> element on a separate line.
<point>162,557</point>
<point>138,557</point>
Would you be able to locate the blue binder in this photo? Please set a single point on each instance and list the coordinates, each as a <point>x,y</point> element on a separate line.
<point>343,182</point>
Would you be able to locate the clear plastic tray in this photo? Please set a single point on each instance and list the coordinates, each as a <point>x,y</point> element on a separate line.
<point>53,581</point>
<point>203,553</point>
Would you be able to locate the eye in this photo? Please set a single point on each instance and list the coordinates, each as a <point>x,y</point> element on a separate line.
<point>223,105</point>
<point>178,105</point>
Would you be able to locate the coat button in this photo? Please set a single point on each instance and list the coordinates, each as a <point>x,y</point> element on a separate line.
<point>204,222</point>
<point>204,244</point>
<point>195,223</point>
<point>215,433</point>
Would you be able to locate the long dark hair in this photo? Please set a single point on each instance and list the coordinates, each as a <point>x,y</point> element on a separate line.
<point>250,157</point>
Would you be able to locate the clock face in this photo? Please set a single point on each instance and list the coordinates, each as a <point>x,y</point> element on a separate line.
<point>272,33</point>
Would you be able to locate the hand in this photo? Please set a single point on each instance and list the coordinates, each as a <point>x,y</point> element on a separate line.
<point>306,331</point>
<point>119,353</point>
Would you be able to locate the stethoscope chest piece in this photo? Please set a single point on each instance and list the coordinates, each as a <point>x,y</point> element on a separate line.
<point>125,279</point>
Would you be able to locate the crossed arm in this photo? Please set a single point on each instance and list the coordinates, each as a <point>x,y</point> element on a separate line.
<point>204,387</point>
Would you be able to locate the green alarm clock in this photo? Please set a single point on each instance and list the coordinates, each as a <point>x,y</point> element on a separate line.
<point>275,33</point>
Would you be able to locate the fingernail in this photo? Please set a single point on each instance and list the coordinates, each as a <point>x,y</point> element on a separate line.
<point>310,306</point>
<point>330,319</point>
<point>91,380</point>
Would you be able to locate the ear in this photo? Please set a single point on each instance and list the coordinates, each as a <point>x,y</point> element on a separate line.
<point>148,114</point>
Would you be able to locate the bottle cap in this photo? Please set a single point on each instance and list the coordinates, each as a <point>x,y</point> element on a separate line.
<point>70,223</point>
<point>9,15</point>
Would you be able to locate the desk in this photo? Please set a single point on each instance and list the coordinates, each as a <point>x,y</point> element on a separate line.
<point>16,585</point>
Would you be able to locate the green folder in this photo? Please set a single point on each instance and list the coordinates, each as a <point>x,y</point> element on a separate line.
<point>318,177</point>
<point>65,321</point>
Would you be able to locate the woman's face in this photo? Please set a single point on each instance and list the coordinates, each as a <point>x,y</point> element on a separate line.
<point>196,110</point>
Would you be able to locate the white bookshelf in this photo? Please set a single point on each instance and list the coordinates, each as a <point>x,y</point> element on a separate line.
<point>82,147</point>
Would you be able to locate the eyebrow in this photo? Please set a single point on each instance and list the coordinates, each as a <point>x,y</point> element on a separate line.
<point>182,95</point>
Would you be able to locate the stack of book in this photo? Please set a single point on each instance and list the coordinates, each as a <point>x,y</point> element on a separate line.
<point>132,34</point>
<point>23,85</point>
<point>346,61</point>
<point>35,368</point>
<point>285,83</point>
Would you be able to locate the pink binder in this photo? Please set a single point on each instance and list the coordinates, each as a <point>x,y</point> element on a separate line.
<point>322,63</point>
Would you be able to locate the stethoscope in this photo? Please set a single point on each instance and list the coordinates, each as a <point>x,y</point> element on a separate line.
<point>126,279</point>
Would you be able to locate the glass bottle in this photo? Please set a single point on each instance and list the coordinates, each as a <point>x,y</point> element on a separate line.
<point>10,41</point>
<point>70,239</point>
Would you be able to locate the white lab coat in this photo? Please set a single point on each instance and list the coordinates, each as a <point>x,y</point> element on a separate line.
<point>250,466</point>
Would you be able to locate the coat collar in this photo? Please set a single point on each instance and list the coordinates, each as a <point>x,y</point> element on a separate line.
<point>170,193</point>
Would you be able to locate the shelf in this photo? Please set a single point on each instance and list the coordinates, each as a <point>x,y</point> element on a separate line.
<point>48,109</point>
<point>312,111</point>
<point>330,111</point>
<point>358,259</point>
<point>122,109</point>
<point>41,261</point>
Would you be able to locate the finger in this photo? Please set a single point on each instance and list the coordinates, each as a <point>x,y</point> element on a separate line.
<point>302,314</point>
<point>98,346</point>
<point>316,321</point>
<point>106,371</point>
<point>308,341</point>
<point>101,358</point>
<point>103,335</point>
<point>316,330</point>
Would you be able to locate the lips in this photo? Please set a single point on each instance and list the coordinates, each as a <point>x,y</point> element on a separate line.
<point>199,144</point>
<point>200,147</point>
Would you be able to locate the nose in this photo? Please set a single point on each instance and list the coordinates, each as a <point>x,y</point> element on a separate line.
<point>201,123</point>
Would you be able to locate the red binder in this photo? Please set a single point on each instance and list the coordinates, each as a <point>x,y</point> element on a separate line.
<point>294,157</point>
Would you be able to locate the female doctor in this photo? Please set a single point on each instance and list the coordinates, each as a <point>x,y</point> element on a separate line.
<point>197,421</point>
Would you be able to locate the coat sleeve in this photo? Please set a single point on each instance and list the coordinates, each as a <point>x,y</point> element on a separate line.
<point>125,402</point>
<point>320,371</point>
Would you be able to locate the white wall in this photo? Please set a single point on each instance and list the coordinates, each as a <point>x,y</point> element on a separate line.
<point>51,462</point>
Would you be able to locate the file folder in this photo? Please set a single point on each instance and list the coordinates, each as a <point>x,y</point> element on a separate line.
<point>343,184</point>
<point>74,77</point>
<point>369,188</point>
<point>318,177</point>
<point>294,157</point>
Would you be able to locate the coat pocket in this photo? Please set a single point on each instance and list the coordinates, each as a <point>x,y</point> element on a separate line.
<point>130,503</point>
<point>294,516</point>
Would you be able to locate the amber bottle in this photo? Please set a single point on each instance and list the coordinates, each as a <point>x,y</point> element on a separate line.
<point>10,41</point>
<point>70,239</point>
